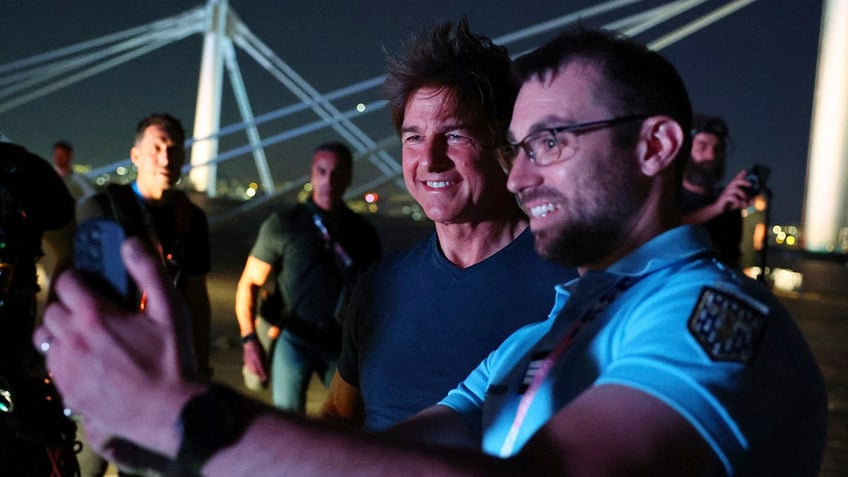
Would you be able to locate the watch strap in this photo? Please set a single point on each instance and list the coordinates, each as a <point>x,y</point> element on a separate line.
<point>211,421</point>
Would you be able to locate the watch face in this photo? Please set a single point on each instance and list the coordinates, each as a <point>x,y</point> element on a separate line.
<point>210,422</point>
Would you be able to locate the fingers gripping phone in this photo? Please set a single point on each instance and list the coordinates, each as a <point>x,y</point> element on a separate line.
<point>757,175</point>
<point>97,253</point>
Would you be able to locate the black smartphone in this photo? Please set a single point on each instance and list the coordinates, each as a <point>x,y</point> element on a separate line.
<point>97,253</point>
<point>757,175</point>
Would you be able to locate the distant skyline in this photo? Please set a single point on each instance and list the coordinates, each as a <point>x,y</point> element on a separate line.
<point>756,68</point>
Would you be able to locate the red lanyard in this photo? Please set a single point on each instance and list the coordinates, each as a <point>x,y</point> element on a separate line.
<point>552,357</point>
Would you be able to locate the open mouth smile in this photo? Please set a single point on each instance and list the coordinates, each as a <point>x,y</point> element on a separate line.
<point>439,184</point>
<point>541,210</point>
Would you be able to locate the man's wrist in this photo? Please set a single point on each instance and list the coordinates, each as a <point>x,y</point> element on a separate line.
<point>211,421</point>
<point>156,424</point>
<point>249,337</point>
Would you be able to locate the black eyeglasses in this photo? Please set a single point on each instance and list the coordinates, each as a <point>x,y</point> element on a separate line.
<point>547,146</point>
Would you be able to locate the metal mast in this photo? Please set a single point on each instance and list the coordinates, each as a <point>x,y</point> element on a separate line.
<point>207,117</point>
<point>827,172</point>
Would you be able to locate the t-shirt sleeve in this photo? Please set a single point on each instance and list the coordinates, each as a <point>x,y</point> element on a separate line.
<point>269,241</point>
<point>467,398</point>
<point>665,359</point>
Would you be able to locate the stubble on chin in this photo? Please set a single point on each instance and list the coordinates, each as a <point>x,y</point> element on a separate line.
<point>574,246</point>
<point>593,231</point>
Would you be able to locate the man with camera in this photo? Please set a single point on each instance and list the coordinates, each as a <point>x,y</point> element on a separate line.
<point>704,201</point>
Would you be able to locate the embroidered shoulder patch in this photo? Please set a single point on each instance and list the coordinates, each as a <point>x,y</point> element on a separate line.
<point>727,327</point>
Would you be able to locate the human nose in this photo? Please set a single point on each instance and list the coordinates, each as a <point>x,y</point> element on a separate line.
<point>162,156</point>
<point>521,174</point>
<point>434,155</point>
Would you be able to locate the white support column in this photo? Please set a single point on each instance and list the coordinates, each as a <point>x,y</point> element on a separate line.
<point>247,116</point>
<point>207,117</point>
<point>827,171</point>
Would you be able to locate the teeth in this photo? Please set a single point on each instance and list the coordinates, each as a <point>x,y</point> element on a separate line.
<point>438,184</point>
<point>542,210</point>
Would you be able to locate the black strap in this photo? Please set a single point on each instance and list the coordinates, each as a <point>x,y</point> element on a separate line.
<point>212,421</point>
<point>345,263</point>
<point>126,207</point>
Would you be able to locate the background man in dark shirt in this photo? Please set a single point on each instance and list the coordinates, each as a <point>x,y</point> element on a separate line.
<point>314,251</point>
<point>166,216</point>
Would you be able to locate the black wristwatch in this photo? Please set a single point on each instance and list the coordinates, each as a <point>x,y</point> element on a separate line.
<point>210,422</point>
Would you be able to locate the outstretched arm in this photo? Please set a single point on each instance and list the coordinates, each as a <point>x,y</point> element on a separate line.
<point>121,371</point>
<point>618,430</point>
<point>108,360</point>
<point>733,197</point>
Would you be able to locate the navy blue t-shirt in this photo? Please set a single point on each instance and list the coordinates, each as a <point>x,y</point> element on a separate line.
<point>418,324</point>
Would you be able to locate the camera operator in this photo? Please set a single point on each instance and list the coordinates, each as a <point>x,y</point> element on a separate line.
<point>36,438</point>
<point>704,201</point>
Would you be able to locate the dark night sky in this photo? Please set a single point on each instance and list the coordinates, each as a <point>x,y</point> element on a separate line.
<point>756,68</point>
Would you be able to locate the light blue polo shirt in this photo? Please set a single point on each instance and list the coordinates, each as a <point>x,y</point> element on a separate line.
<point>712,344</point>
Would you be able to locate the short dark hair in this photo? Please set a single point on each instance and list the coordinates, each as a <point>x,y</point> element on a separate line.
<point>639,80</point>
<point>170,124</point>
<point>475,69</point>
<point>340,150</point>
<point>715,125</point>
<point>63,145</point>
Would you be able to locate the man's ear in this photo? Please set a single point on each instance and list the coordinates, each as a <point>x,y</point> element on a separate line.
<point>660,141</point>
<point>134,154</point>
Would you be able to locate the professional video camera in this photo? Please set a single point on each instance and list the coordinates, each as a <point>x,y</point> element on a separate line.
<point>36,437</point>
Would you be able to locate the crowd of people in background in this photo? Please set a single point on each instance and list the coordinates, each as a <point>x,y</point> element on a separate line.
<point>578,308</point>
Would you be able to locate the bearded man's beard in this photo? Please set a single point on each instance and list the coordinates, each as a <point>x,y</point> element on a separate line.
<point>702,174</point>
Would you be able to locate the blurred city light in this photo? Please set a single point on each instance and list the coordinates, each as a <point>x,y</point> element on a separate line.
<point>787,280</point>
